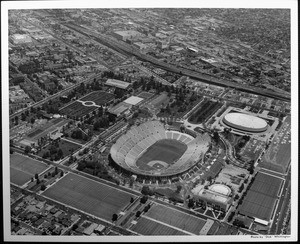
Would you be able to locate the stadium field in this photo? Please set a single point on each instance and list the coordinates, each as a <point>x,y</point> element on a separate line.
<point>176,218</point>
<point>149,227</point>
<point>23,168</point>
<point>165,150</point>
<point>89,196</point>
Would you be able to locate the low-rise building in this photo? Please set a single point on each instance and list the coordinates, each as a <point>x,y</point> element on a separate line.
<point>118,83</point>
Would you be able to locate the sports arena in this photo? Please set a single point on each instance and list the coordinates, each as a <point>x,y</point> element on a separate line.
<point>245,122</point>
<point>149,150</point>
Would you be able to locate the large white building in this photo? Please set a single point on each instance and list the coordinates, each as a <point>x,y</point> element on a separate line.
<point>245,122</point>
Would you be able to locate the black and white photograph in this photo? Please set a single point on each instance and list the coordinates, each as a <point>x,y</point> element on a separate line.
<point>160,121</point>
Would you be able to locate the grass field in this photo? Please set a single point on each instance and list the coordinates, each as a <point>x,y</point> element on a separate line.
<point>148,227</point>
<point>261,197</point>
<point>23,168</point>
<point>76,109</point>
<point>99,97</point>
<point>166,150</point>
<point>162,99</point>
<point>34,133</point>
<point>176,218</point>
<point>145,95</point>
<point>66,146</point>
<point>87,195</point>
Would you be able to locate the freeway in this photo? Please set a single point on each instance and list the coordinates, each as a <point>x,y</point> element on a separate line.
<point>128,49</point>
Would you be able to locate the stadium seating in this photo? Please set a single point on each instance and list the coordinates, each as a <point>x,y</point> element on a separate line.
<point>131,145</point>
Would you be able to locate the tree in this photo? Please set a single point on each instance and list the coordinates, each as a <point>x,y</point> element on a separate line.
<point>179,187</point>
<point>43,187</point>
<point>146,208</point>
<point>114,217</point>
<point>131,200</point>
<point>216,137</point>
<point>74,227</point>
<point>241,188</point>
<point>251,170</point>
<point>144,199</point>
<point>16,120</point>
<point>36,176</point>
<point>191,203</point>
<point>239,223</point>
<point>138,214</point>
<point>81,165</point>
<point>27,149</point>
<point>230,216</point>
<point>146,191</point>
<point>56,170</point>
<point>60,153</point>
<point>61,173</point>
<point>37,181</point>
<point>131,182</point>
<point>209,178</point>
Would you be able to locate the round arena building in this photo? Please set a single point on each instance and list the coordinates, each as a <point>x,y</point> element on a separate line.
<point>245,122</point>
<point>151,150</point>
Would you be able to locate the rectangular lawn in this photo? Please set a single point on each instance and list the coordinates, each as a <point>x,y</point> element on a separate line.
<point>89,196</point>
<point>261,198</point>
<point>148,227</point>
<point>176,218</point>
<point>22,168</point>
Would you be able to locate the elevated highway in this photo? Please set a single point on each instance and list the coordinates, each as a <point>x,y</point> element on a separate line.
<point>210,79</point>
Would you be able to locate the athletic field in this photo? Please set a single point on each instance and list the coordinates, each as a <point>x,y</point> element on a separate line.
<point>89,196</point>
<point>166,150</point>
<point>176,218</point>
<point>98,97</point>
<point>23,168</point>
<point>261,198</point>
<point>149,227</point>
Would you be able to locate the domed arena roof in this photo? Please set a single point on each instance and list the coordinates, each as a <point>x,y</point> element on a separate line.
<point>221,189</point>
<point>245,122</point>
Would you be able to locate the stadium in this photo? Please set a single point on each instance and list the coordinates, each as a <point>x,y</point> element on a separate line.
<point>149,150</point>
<point>245,122</point>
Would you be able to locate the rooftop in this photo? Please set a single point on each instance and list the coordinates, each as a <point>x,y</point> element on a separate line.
<point>117,83</point>
<point>133,100</point>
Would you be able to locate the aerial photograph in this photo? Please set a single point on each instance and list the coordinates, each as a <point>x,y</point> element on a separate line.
<point>132,122</point>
